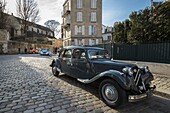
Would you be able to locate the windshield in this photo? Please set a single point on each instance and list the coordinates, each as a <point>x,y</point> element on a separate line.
<point>98,54</point>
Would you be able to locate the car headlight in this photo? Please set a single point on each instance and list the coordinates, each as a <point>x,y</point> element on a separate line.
<point>146,69</point>
<point>41,52</point>
<point>128,71</point>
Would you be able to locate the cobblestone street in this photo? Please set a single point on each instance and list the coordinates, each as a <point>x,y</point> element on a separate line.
<point>28,86</point>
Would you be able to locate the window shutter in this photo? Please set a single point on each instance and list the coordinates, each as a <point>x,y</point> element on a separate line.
<point>76,30</point>
<point>80,4</point>
<point>83,30</point>
<point>80,17</point>
<point>77,3</point>
<point>94,31</point>
<point>93,3</point>
<point>77,16</point>
<point>90,42</point>
<point>83,41</point>
<point>89,30</point>
<point>94,14</point>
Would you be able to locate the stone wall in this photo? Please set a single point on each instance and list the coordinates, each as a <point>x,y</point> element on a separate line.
<point>13,46</point>
<point>4,37</point>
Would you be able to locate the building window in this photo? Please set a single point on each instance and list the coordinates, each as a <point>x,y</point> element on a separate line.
<point>92,42</point>
<point>79,42</point>
<point>79,3</point>
<point>93,3</point>
<point>93,17</point>
<point>79,30</point>
<point>79,17</point>
<point>91,30</point>
<point>109,38</point>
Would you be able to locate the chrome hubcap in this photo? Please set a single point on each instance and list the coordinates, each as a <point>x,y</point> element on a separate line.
<point>110,93</point>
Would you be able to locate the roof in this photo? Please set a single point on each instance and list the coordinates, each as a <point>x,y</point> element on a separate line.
<point>82,47</point>
<point>30,23</point>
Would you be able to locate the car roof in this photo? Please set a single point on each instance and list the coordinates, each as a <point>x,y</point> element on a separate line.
<point>82,47</point>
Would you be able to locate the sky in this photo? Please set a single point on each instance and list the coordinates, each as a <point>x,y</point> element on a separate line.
<point>113,10</point>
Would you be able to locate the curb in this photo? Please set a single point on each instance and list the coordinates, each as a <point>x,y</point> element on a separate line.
<point>162,94</point>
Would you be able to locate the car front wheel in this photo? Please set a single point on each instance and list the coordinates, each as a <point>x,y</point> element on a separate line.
<point>111,93</point>
<point>54,70</point>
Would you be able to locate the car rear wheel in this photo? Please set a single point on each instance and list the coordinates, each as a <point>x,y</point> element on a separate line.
<point>54,70</point>
<point>111,93</point>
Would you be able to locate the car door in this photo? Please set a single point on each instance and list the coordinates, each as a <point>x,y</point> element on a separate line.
<point>66,61</point>
<point>79,64</point>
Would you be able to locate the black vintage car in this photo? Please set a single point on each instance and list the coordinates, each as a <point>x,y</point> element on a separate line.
<point>118,82</point>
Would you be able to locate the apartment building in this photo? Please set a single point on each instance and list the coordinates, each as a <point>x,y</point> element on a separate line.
<point>107,34</point>
<point>82,22</point>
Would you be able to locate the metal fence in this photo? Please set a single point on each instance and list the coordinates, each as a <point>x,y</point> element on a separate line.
<point>152,52</point>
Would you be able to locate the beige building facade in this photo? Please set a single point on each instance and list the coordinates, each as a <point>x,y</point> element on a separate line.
<point>82,22</point>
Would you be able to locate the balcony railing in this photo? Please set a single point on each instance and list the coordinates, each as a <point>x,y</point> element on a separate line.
<point>66,23</point>
<point>65,11</point>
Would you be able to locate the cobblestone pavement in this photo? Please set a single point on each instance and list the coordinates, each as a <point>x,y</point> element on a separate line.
<point>163,85</point>
<point>27,86</point>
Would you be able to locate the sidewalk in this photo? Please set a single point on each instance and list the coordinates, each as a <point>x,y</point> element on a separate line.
<point>162,83</point>
<point>161,74</point>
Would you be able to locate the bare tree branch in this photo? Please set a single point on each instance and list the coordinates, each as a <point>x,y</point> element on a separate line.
<point>28,11</point>
<point>2,18</point>
<point>2,5</point>
<point>53,25</point>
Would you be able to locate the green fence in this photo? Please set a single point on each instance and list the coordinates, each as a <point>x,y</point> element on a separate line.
<point>155,52</point>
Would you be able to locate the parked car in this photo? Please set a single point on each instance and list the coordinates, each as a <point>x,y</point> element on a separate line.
<point>32,51</point>
<point>118,82</point>
<point>45,52</point>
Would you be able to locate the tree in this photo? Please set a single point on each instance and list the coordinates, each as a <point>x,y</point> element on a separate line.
<point>140,24</point>
<point>150,25</point>
<point>120,34</point>
<point>161,21</point>
<point>2,9</point>
<point>28,11</point>
<point>53,25</point>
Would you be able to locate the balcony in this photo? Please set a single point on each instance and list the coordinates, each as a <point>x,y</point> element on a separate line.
<point>66,23</point>
<point>66,11</point>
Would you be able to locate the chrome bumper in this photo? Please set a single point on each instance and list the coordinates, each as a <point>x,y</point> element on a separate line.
<point>135,98</point>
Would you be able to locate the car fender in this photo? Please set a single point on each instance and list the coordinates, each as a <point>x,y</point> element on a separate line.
<point>57,62</point>
<point>124,82</point>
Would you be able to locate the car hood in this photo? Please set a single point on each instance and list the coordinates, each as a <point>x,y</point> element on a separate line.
<point>104,65</point>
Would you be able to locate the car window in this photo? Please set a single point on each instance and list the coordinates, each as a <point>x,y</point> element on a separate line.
<point>61,53</point>
<point>97,54</point>
<point>79,54</point>
<point>67,53</point>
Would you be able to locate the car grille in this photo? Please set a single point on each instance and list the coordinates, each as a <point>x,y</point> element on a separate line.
<point>142,80</point>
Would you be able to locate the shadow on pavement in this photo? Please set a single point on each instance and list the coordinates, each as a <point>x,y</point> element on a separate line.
<point>150,105</point>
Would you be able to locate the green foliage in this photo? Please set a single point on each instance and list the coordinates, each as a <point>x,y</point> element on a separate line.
<point>145,25</point>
